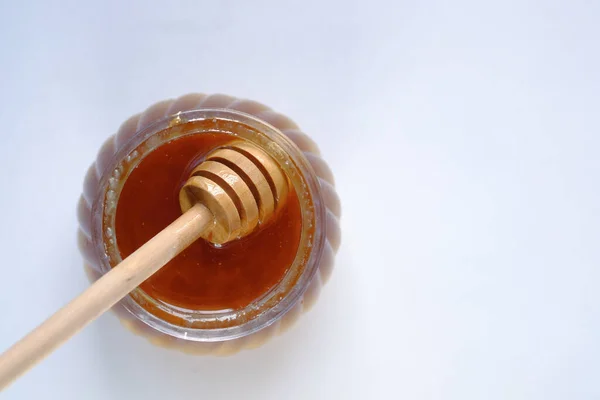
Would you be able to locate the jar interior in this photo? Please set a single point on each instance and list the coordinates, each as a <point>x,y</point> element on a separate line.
<point>217,323</point>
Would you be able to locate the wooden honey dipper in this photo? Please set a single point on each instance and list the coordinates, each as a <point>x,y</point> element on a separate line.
<point>237,187</point>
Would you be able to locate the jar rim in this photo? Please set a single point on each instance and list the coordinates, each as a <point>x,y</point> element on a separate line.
<point>262,312</point>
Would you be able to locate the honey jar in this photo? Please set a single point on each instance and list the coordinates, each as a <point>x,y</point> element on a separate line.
<point>210,299</point>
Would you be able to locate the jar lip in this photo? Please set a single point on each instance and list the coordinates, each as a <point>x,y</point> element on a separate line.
<point>305,183</point>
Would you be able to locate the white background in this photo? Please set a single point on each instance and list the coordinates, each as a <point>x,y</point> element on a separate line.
<point>464,137</point>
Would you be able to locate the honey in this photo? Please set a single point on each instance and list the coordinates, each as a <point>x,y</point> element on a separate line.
<point>203,277</point>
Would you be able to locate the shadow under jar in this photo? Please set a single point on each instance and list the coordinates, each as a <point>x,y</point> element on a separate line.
<point>209,299</point>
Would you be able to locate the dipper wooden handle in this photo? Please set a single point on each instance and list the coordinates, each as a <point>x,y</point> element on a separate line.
<point>227,196</point>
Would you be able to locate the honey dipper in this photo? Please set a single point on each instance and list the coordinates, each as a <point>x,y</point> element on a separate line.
<point>226,197</point>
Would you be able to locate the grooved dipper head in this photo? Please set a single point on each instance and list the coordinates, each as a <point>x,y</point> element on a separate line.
<point>240,184</point>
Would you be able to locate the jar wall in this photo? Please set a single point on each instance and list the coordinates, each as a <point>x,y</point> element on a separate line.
<point>196,101</point>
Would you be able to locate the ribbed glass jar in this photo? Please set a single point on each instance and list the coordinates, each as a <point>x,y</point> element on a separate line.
<point>194,114</point>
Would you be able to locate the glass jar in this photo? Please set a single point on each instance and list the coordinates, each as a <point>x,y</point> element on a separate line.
<point>204,332</point>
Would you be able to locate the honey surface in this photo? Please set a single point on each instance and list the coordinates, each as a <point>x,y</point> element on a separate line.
<point>202,277</point>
